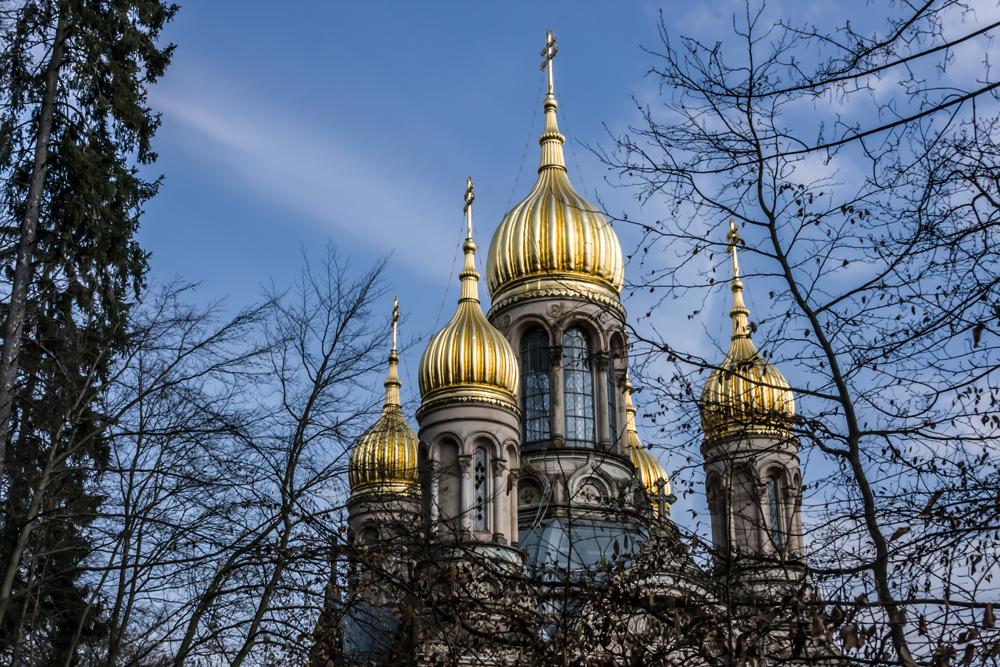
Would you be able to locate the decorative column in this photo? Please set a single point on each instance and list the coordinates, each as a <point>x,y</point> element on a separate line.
<point>466,495</point>
<point>620,378</point>
<point>497,504</point>
<point>513,507</point>
<point>557,409</point>
<point>601,400</point>
<point>434,509</point>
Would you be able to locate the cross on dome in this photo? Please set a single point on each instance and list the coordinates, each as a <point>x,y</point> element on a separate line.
<point>733,237</point>
<point>548,53</point>
<point>470,197</point>
<point>395,320</point>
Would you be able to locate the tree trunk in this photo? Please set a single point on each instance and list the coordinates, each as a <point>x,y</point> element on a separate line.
<point>29,229</point>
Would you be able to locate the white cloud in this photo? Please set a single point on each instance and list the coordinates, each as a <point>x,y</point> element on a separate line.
<point>333,181</point>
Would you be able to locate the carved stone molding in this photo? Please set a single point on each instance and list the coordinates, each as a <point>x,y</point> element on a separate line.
<point>601,362</point>
<point>467,400</point>
<point>555,355</point>
<point>612,305</point>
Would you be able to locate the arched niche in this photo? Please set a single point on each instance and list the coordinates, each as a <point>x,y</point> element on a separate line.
<point>449,479</point>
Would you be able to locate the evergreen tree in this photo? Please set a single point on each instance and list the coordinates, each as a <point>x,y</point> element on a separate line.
<point>75,131</point>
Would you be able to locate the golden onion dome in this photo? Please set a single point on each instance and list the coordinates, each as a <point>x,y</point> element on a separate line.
<point>647,467</point>
<point>469,359</point>
<point>555,241</point>
<point>384,460</point>
<point>746,394</point>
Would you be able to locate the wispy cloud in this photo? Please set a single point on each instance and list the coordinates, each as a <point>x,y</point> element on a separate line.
<point>321,178</point>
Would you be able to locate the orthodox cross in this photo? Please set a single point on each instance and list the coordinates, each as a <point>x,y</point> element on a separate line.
<point>395,319</point>
<point>734,238</point>
<point>470,196</point>
<point>548,53</point>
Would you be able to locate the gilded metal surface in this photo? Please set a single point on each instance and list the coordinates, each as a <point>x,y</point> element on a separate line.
<point>469,358</point>
<point>554,238</point>
<point>746,395</point>
<point>384,460</point>
<point>649,470</point>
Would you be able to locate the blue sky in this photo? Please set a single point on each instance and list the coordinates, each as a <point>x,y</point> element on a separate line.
<point>288,125</point>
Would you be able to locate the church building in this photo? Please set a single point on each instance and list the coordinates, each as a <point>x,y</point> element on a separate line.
<point>477,533</point>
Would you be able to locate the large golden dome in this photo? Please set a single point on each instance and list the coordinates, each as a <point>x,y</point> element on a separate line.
<point>746,394</point>
<point>384,460</point>
<point>649,470</point>
<point>469,359</point>
<point>555,241</point>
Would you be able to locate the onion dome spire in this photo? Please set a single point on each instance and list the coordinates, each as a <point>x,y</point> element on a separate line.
<point>746,394</point>
<point>384,460</point>
<point>651,473</point>
<point>554,242</point>
<point>469,359</point>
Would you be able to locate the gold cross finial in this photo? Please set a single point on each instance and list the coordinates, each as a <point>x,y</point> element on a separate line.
<point>470,197</point>
<point>733,237</point>
<point>395,320</point>
<point>548,53</point>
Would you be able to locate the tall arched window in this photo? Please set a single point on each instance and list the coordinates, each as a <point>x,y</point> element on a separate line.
<point>774,510</point>
<point>535,385</point>
<point>612,402</point>
<point>578,388</point>
<point>479,496</point>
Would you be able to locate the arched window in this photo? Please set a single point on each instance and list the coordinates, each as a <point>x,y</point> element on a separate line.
<point>578,388</point>
<point>612,402</point>
<point>479,496</point>
<point>535,385</point>
<point>774,510</point>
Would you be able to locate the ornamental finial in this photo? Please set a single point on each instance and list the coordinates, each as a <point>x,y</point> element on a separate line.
<point>392,383</point>
<point>548,53</point>
<point>733,237</point>
<point>739,313</point>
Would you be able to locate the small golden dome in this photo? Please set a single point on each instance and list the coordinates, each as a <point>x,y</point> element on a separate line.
<point>384,460</point>
<point>746,394</point>
<point>649,470</point>
<point>554,239</point>
<point>469,359</point>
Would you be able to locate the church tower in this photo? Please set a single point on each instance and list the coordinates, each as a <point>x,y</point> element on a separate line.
<point>383,515</point>
<point>382,470</point>
<point>469,420</point>
<point>555,274</point>
<point>751,459</point>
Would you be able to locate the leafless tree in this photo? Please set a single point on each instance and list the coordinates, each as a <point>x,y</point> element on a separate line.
<point>227,441</point>
<point>862,172</point>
